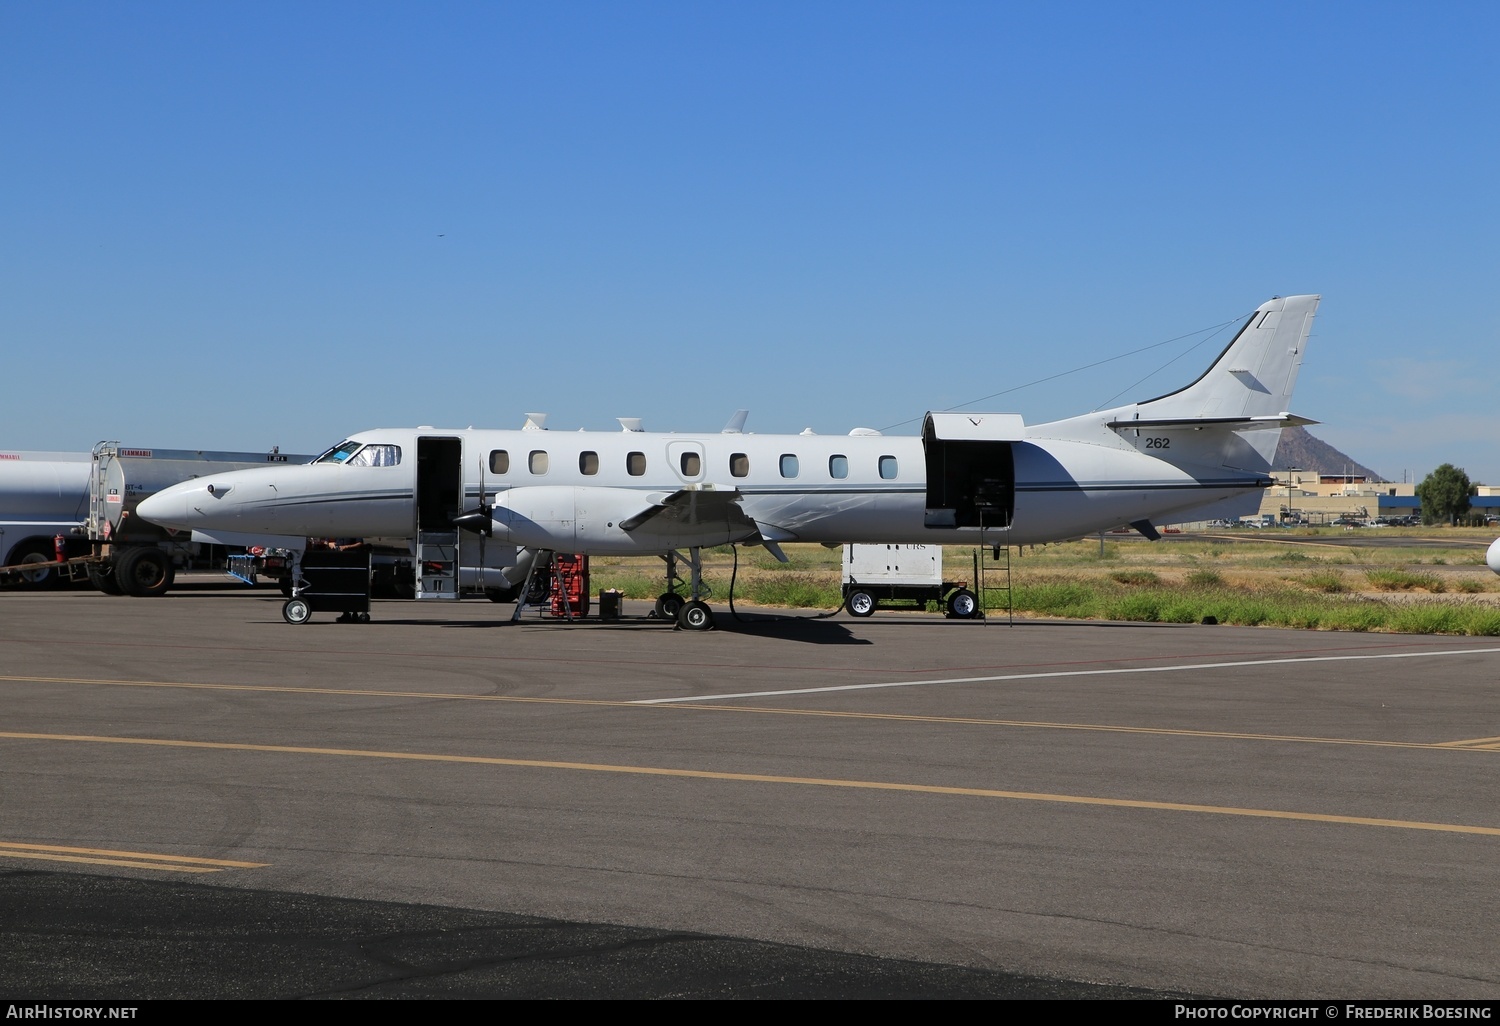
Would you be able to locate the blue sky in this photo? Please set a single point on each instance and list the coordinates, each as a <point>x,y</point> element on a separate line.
<point>235,225</point>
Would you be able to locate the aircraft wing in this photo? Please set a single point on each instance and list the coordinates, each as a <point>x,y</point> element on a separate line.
<point>693,506</point>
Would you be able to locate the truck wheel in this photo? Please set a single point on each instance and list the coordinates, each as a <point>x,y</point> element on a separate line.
<point>102,577</point>
<point>296,611</point>
<point>43,577</point>
<point>963,605</point>
<point>861,603</point>
<point>144,572</point>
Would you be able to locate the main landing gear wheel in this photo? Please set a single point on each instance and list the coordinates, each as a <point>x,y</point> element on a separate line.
<point>861,603</point>
<point>669,605</point>
<point>296,611</point>
<point>963,605</point>
<point>350,617</point>
<point>695,616</point>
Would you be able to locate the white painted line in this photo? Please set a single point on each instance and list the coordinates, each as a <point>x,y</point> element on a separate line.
<point>1063,673</point>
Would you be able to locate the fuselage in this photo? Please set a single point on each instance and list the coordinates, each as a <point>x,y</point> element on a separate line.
<point>589,491</point>
<point>968,478</point>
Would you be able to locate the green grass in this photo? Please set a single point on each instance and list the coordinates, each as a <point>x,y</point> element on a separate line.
<point>632,585</point>
<point>1405,580</point>
<point>1078,599</point>
<point>1272,588</point>
<point>793,590</point>
<point>1134,576</point>
<point>1329,581</point>
<point>1064,599</point>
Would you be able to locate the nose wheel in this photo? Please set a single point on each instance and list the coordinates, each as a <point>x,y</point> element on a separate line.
<point>296,611</point>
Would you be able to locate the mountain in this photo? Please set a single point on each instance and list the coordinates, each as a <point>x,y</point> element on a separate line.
<point>1301,450</point>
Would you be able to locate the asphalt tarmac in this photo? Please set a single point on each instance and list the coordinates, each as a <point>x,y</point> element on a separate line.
<point>201,800</point>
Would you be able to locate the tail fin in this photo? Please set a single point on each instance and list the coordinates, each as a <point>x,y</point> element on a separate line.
<point>1232,416</point>
<point>1254,376</point>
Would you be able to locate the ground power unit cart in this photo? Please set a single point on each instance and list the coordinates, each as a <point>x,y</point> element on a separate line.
<point>902,576</point>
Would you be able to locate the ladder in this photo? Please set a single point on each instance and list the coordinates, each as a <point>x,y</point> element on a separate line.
<point>437,564</point>
<point>988,563</point>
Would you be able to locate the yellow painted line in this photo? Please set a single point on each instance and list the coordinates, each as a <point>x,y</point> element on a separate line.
<point>130,859</point>
<point>1481,743</point>
<point>692,705</point>
<point>6,846</point>
<point>285,690</point>
<point>118,863</point>
<point>765,778</point>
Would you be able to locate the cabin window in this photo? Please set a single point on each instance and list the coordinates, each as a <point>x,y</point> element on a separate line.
<point>739,464</point>
<point>499,461</point>
<point>635,464</point>
<point>692,464</point>
<point>887,468</point>
<point>838,467</point>
<point>788,465</point>
<point>588,463</point>
<point>376,456</point>
<point>538,462</point>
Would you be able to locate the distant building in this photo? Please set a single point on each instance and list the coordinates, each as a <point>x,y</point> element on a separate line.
<point>1323,498</point>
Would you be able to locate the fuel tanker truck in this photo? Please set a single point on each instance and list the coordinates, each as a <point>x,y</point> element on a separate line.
<point>65,516</point>
<point>43,496</point>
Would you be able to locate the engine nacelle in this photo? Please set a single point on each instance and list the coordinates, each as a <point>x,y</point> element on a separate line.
<point>587,519</point>
<point>1492,557</point>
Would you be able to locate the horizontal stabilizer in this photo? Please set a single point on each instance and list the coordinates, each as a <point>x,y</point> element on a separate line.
<point>1274,420</point>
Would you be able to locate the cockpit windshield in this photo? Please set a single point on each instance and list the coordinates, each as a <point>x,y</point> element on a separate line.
<point>357,454</point>
<point>339,453</point>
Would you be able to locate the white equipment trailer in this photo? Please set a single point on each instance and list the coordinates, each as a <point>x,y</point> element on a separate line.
<point>907,576</point>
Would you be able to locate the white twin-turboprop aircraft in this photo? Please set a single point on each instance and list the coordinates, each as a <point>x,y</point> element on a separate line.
<point>973,479</point>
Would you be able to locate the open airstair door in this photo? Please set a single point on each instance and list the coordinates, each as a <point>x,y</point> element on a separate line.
<point>971,475</point>
<point>440,496</point>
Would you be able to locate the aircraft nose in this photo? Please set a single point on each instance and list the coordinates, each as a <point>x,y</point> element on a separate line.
<point>172,507</point>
